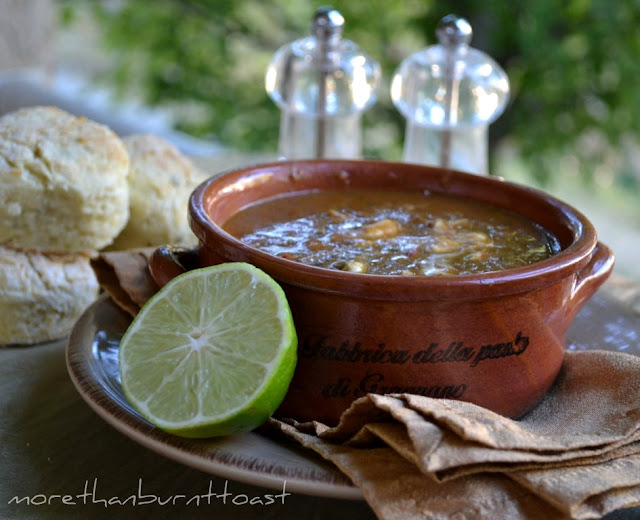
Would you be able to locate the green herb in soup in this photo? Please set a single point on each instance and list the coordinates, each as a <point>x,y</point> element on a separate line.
<point>392,232</point>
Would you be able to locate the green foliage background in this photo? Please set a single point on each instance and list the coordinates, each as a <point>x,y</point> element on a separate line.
<point>573,67</point>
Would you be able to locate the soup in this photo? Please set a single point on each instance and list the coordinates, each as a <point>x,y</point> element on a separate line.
<point>392,232</point>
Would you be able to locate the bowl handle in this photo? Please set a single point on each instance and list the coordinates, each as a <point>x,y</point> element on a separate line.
<point>167,262</point>
<point>590,278</point>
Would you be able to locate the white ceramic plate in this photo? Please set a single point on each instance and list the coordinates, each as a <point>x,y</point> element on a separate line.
<point>256,458</point>
<point>253,458</point>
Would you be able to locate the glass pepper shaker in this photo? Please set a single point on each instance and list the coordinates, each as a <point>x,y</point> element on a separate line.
<point>450,93</point>
<point>322,84</point>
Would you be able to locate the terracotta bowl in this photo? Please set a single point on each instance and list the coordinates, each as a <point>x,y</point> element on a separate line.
<point>495,339</point>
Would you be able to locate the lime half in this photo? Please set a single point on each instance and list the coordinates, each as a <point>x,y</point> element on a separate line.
<point>212,353</point>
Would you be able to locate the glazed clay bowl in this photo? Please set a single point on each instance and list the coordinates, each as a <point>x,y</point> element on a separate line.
<point>495,339</point>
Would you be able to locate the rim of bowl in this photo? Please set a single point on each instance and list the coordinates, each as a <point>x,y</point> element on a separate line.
<point>568,261</point>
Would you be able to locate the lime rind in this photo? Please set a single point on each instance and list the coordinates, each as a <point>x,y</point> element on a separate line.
<point>231,359</point>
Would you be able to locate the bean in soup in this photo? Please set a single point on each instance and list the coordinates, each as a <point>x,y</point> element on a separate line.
<point>392,232</point>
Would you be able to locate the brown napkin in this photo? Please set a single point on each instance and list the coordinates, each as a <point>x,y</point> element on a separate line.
<point>124,275</point>
<point>576,455</point>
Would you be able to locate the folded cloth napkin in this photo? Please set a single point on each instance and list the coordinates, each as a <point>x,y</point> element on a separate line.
<point>124,275</point>
<point>575,456</point>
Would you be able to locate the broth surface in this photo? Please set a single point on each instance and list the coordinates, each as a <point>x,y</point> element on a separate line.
<point>392,232</point>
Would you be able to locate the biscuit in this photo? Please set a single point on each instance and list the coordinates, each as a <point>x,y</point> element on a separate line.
<point>42,295</point>
<point>161,180</point>
<point>63,182</point>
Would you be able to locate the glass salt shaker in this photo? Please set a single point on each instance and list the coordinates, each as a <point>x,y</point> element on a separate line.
<point>322,84</point>
<point>450,93</point>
